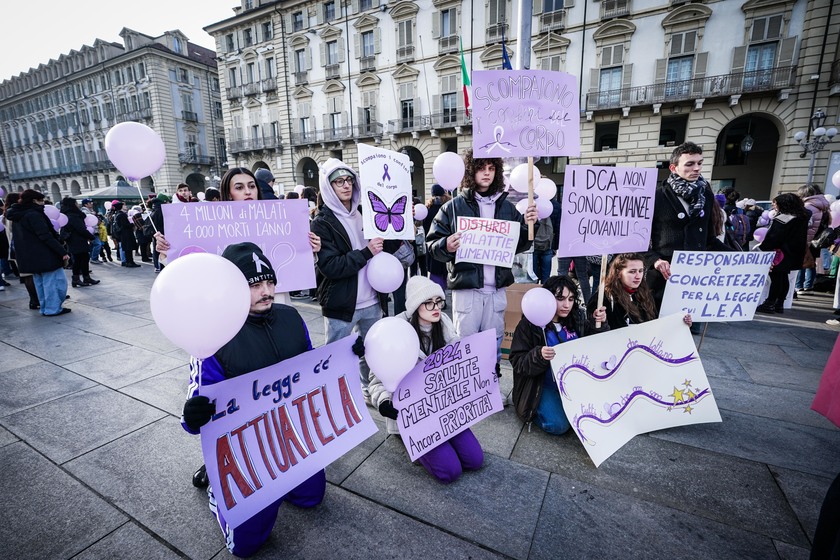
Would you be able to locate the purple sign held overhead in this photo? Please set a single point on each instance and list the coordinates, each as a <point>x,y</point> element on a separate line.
<point>279,227</point>
<point>525,113</point>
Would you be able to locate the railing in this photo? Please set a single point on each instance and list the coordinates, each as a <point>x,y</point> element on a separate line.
<point>367,64</point>
<point>614,8</point>
<point>48,172</point>
<point>448,44</point>
<point>190,116</point>
<point>708,87</point>
<point>332,71</point>
<point>195,159</point>
<point>252,89</point>
<point>136,116</point>
<point>410,124</point>
<point>269,84</point>
<point>405,54</point>
<point>495,32</point>
<point>97,165</point>
<point>368,130</point>
<point>300,138</point>
<point>335,134</point>
<point>272,142</point>
<point>450,118</point>
<point>552,21</point>
<point>301,78</point>
<point>255,144</point>
<point>234,92</point>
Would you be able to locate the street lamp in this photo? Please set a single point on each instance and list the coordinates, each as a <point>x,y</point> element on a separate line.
<point>821,138</point>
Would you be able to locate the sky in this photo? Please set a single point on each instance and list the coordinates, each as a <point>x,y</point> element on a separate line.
<point>38,30</point>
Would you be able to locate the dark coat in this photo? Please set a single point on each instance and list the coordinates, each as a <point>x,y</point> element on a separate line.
<point>266,192</point>
<point>38,248</point>
<point>788,234</point>
<point>75,233</point>
<point>463,275</point>
<point>157,214</point>
<point>126,231</point>
<point>617,316</point>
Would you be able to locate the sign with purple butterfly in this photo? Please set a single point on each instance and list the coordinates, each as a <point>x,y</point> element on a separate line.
<point>606,210</point>
<point>525,113</point>
<point>279,227</point>
<point>385,178</point>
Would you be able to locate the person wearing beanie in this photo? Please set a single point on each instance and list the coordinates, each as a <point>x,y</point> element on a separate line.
<point>272,333</point>
<point>265,181</point>
<point>424,305</point>
<point>87,206</point>
<point>39,251</point>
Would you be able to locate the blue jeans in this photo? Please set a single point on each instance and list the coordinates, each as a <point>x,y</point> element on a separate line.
<point>805,279</point>
<point>95,248</point>
<point>542,264</point>
<point>550,416</point>
<point>825,256</point>
<point>581,267</point>
<point>363,319</point>
<point>51,288</point>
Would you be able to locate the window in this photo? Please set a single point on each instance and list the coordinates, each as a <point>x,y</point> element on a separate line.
<point>553,63</point>
<point>122,107</point>
<point>217,110</point>
<point>135,103</point>
<point>300,60</point>
<point>232,77</point>
<point>449,103</point>
<point>496,12</point>
<point>214,83</point>
<point>187,102</point>
<point>183,75</point>
<point>609,86</point>
<point>304,126</point>
<point>129,73</point>
<point>269,68</point>
<point>407,113</point>
<point>365,5</point>
<point>249,4</point>
<point>220,142</point>
<point>118,78</point>
<point>329,11</point>
<point>760,62</point>
<point>141,70</point>
<point>405,33</point>
<point>147,100</point>
<point>678,76</point>
<point>612,55</point>
<point>552,5</point>
<point>248,37</point>
<point>367,44</point>
<point>275,129</point>
<point>332,52</point>
<point>447,22</point>
<point>267,31</point>
<point>672,130</point>
<point>683,43</point>
<point>249,73</point>
<point>335,122</point>
<point>297,21</point>
<point>255,132</point>
<point>606,136</point>
<point>229,43</point>
<point>176,45</point>
<point>767,28</point>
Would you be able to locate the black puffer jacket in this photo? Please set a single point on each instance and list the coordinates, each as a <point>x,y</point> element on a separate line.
<point>126,231</point>
<point>788,234</point>
<point>38,248</point>
<point>75,233</point>
<point>465,276</point>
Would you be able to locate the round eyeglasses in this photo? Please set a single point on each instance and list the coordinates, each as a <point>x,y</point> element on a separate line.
<point>430,305</point>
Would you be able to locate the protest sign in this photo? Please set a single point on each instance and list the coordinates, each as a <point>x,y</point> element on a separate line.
<point>385,178</point>
<point>716,286</point>
<point>606,210</point>
<point>276,427</point>
<point>630,381</point>
<point>451,390</point>
<point>525,113</point>
<point>487,241</point>
<point>279,227</point>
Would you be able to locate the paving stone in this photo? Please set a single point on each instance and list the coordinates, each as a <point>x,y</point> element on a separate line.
<point>148,337</point>
<point>364,530</point>
<point>819,339</point>
<point>6,437</point>
<point>768,402</point>
<point>790,552</point>
<point>579,520</point>
<point>126,543</point>
<point>13,358</point>
<point>495,507</point>
<point>724,367</point>
<point>805,493</point>
<point>148,475</point>
<point>138,308</point>
<point>55,342</point>
<point>676,476</point>
<point>783,375</point>
<point>774,442</point>
<point>65,428</point>
<point>498,433</point>
<point>340,469</point>
<point>90,318</point>
<point>754,351</point>
<point>35,384</point>
<point>736,331</point>
<point>166,391</point>
<point>118,369</point>
<point>808,357</point>
<point>46,513</point>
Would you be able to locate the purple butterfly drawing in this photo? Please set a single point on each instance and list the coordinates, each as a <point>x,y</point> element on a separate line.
<point>383,216</point>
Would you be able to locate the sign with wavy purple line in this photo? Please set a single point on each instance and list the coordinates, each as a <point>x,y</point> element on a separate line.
<point>631,381</point>
<point>279,227</point>
<point>606,210</point>
<point>714,286</point>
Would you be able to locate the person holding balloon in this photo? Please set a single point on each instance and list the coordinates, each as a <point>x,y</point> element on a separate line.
<point>552,315</point>
<point>77,237</point>
<point>425,302</point>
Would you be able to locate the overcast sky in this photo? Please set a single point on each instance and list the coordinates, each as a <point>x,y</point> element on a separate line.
<point>37,30</point>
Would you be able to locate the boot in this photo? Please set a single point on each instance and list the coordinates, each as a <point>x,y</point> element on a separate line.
<point>90,281</point>
<point>77,282</point>
<point>767,307</point>
<point>779,307</point>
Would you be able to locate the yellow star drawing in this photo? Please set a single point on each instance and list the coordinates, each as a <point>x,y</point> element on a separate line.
<point>690,394</point>
<point>687,409</point>
<point>677,394</point>
<point>687,382</point>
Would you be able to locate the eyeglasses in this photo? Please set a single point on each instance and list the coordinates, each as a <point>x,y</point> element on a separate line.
<point>430,305</point>
<point>341,180</point>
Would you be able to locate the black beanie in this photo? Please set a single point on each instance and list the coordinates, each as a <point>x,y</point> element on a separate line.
<point>251,261</point>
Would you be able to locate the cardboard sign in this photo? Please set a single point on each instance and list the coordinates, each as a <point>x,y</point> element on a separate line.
<point>487,241</point>
<point>525,113</point>
<point>716,286</point>
<point>606,210</point>
<point>451,390</point>
<point>631,381</point>
<point>278,426</point>
<point>385,178</point>
<point>279,227</point>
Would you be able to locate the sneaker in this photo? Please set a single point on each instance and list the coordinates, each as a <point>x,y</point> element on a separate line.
<point>199,478</point>
<point>97,261</point>
<point>299,295</point>
<point>833,323</point>
<point>2,288</point>
<point>765,308</point>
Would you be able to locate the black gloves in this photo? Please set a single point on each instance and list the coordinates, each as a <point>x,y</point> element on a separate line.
<point>387,410</point>
<point>197,412</point>
<point>498,371</point>
<point>359,347</point>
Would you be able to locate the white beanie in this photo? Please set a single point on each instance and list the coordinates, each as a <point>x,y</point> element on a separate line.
<point>420,289</point>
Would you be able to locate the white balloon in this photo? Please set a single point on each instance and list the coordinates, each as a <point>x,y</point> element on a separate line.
<point>448,170</point>
<point>391,350</point>
<point>522,206</point>
<point>546,188</point>
<point>830,197</point>
<point>385,272</point>
<point>519,177</point>
<point>420,212</point>
<point>200,195</point>
<point>107,205</point>
<point>544,208</point>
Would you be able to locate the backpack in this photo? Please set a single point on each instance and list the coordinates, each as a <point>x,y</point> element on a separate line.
<point>148,228</point>
<point>740,226</point>
<point>115,228</point>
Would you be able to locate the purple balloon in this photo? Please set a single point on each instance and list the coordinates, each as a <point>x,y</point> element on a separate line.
<point>62,219</point>
<point>385,272</point>
<point>544,208</point>
<point>539,306</point>
<point>391,350</point>
<point>522,206</point>
<point>448,170</point>
<point>200,321</point>
<point>55,224</point>
<point>91,220</point>
<point>135,149</point>
<point>90,229</point>
<point>420,212</point>
<point>835,179</point>
<point>759,234</point>
<point>51,211</point>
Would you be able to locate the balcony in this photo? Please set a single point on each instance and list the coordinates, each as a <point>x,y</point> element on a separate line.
<point>252,89</point>
<point>405,54</point>
<point>255,144</point>
<point>336,134</point>
<point>611,9</point>
<point>495,32</point>
<point>234,92</point>
<point>552,21</point>
<point>759,81</point>
<point>369,130</point>
<point>410,124</point>
<point>448,45</point>
<point>332,71</point>
<point>272,142</point>
<point>269,84</point>
<point>301,78</point>
<point>195,159</point>
<point>450,119</point>
<point>96,164</point>
<point>367,64</point>
<point>190,116</point>
<point>303,138</point>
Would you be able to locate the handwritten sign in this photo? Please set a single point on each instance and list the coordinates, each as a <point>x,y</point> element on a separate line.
<point>715,286</point>
<point>277,426</point>
<point>451,390</point>
<point>525,113</point>
<point>606,210</point>
<point>631,381</point>
<point>487,241</point>
<point>385,178</point>
<point>279,227</point>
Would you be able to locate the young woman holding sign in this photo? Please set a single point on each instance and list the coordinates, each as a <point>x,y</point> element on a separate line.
<point>535,394</point>
<point>424,302</point>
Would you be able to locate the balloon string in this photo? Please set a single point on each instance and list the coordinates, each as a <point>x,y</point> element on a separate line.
<point>145,208</point>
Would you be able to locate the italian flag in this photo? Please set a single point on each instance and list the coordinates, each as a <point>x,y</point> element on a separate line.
<point>465,78</point>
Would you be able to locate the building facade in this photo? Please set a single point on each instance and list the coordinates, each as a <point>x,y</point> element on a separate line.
<point>306,80</point>
<point>55,117</point>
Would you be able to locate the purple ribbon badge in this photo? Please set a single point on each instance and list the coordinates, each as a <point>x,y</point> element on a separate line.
<point>386,176</point>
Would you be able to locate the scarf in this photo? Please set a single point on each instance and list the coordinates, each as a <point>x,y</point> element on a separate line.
<point>692,193</point>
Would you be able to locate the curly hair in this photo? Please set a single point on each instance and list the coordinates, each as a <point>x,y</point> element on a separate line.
<point>228,177</point>
<point>789,203</point>
<point>641,306</point>
<point>689,148</point>
<point>471,166</point>
<point>574,321</point>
